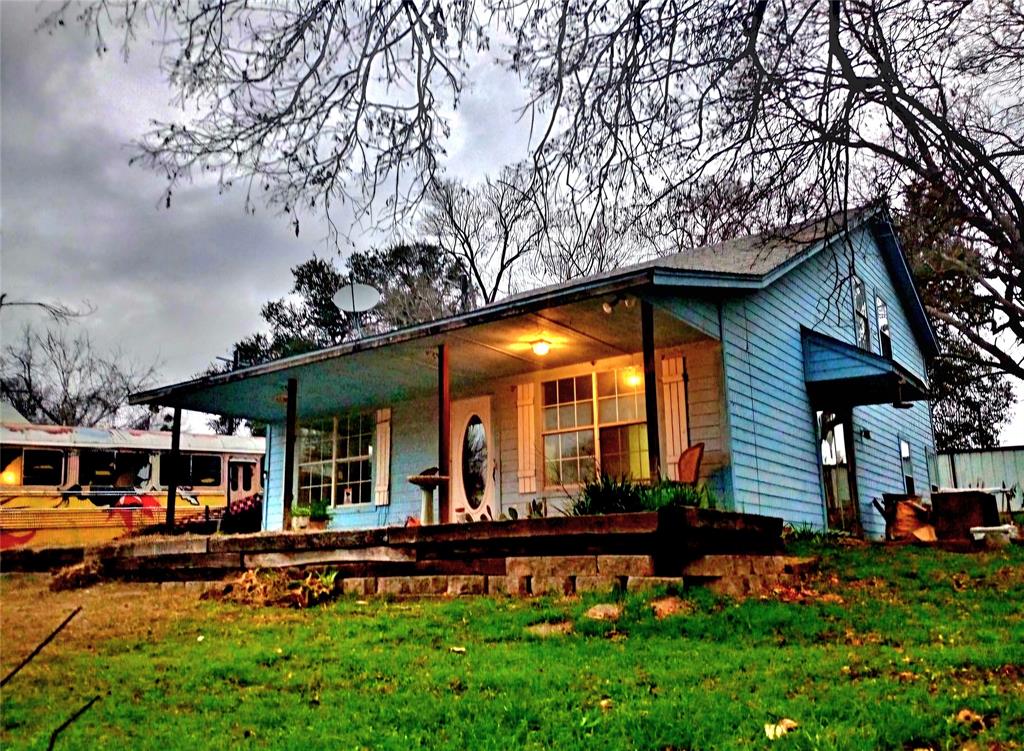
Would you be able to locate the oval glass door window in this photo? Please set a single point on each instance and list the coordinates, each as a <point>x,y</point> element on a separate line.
<point>474,462</point>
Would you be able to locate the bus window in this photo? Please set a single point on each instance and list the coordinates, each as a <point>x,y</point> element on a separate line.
<point>10,465</point>
<point>233,474</point>
<point>96,467</point>
<point>205,470</point>
<point>129,467</point>
<point>247,473</point>
<point>31,466</point>
<point>195,470</point>
<point>119,469</point>
<point>165,469</point>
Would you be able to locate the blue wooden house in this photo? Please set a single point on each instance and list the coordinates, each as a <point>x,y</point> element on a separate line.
<point>798,361</point>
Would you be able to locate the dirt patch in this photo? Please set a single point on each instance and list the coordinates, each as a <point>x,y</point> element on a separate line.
<point>666,607</point>
<point>560,628</point>
<point>607,611</point>
<point>136,611</point>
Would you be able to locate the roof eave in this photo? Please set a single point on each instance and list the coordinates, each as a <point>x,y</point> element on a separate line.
<point>495,312</point>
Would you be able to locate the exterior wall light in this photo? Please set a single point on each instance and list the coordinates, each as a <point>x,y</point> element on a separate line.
<point>633,378</point>
<point>540,347</point>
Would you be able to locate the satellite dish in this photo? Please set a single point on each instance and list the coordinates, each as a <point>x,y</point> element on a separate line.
<point>356,298</point>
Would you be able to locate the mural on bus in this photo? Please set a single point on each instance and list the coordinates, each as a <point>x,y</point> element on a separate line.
<point>81,486</point>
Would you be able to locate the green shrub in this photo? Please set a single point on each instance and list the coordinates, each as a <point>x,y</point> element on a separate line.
<point>619,495</point>
<point>607,495</point>
<point>318,510</point>
<point>670,494</point>
<point>300,510</point>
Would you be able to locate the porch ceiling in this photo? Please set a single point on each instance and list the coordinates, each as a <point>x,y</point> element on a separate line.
<point>377,373</point>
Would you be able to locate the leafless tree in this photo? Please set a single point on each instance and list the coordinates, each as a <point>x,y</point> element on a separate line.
<point>578,243</point>
<point>61,379</point>
<point>491,230</point>
<point>818,106</point>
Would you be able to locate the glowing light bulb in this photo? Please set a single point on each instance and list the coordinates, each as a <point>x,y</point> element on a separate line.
<point>633,378</point>
<point>541,347</point>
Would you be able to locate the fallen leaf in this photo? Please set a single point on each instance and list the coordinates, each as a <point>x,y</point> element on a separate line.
<point>457,650</point>
<point>200,637</point>
<point>779,729</point>
<point>972,719</point>
<point>606,704</point>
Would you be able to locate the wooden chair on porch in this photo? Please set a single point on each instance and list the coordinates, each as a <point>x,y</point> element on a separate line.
<point>688,466</point>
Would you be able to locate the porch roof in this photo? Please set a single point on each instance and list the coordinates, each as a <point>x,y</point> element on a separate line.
<point>840,375</point>
<point>490,343</point>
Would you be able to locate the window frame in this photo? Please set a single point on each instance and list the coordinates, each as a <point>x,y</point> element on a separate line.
<point>883,330</point>
<point>860,290</point>
<point>909,481</point>
<point>333,458</point>
<point>596,425</point>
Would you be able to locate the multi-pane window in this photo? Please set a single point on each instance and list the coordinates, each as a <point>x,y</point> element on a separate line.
<point>882,318</point>
<point>26,466</point>
<point>860,315</point>
<point>569,448</point>
<point>621,413</point>
<point>335,460</point>
<point>315,456</point>
<point>355,450</point>
<point>577,446</point>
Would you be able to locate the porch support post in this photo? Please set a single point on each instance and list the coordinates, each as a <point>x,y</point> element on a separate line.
<point>444,422</point>
<point>175,460</point>
<point>650,388</point>
<point>289,451</point>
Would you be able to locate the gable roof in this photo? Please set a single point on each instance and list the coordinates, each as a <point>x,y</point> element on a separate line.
<point>743,264</point>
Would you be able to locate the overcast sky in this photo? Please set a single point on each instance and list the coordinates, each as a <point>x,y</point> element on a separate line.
<point>177,286</point>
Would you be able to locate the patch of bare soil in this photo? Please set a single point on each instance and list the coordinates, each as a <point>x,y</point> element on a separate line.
<point>561,628</point>
<point>29,611</point>
<point>604,612</point>
<point>666,607</point>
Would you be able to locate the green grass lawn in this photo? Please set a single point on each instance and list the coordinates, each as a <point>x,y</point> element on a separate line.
<point>920,636</point>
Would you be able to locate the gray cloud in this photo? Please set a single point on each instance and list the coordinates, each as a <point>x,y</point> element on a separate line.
<point>178,285</point>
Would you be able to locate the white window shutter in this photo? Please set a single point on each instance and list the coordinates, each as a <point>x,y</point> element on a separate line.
<point>674,398</point>
<point>527,437</point>
<point>382,447</point>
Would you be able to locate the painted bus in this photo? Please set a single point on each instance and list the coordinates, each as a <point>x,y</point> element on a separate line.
<point>62,486</point>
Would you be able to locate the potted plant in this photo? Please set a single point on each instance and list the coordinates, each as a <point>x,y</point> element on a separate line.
<point>300,517</point>
<point>318,516</point>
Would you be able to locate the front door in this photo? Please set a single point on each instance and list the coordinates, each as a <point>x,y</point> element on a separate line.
<point>838,470</point>
<point>474,461</point>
